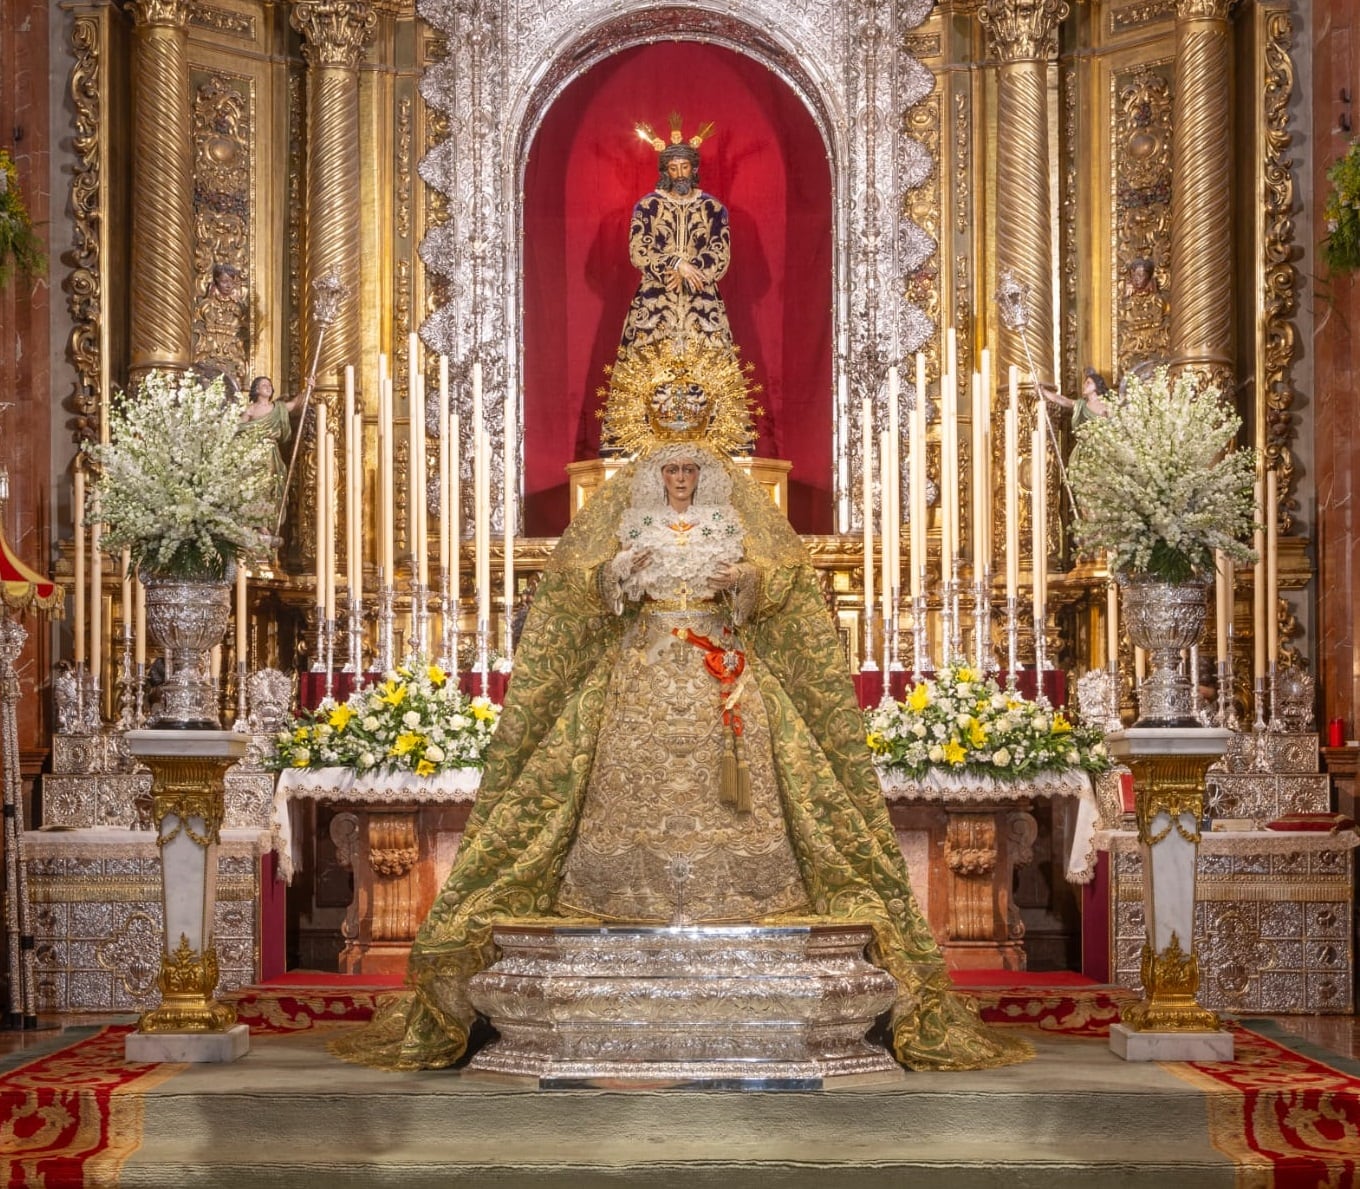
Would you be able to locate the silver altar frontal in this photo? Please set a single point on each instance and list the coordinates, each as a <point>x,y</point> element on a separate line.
<point>745,1006</point>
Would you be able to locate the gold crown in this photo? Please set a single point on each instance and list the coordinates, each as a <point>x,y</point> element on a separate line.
<point>662,393</point>
<point>677,136</point>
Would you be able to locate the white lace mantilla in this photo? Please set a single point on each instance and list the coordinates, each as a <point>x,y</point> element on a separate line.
<point>371,788</point>
<point>964,788</point>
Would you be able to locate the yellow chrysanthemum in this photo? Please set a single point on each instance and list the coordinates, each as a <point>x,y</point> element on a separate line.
<point>340,716</point>
<point>406,743</point>
<point>424,768</point>
<point>954,752</point>
<point>919,698</point>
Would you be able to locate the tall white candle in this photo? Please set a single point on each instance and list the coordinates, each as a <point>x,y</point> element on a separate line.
<point>125,592</point>
<point>885,544</point>
<point>445,461</point>
<point>330,525</point>
<point>356,579</point>
<point>1013,484</point>
<point>866,437</point>
<point>241,576</point>
<point>387,485</point>
<point>139,623</point>
<point>420,570</point>
<point>980,481</point>
<point>1039,516</point>
<point>455,518</point>
<point>1221,604</point>
<point>949,472</point>
<point>1112,627</point>
<point>320,518</point>
<point>353,444</point>
<point>96,597</point>
<point>917,455</point>
<point>1258,587</point>
<point>78,558</point>
<point>1272,569</point>
<point>508,512</point>
<point>483,459</point>
<point>895,470</point>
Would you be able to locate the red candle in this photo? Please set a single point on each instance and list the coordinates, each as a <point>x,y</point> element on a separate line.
<point>1336,732</point>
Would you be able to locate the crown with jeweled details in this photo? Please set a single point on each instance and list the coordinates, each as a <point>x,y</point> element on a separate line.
<point>661,393</point>
<point>677,136</point>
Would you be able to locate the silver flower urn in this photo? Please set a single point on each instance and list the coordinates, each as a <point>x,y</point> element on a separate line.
<point>1164,618</point>
<point>187,617</point>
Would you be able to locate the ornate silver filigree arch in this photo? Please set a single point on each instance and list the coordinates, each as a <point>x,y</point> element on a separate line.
<point>509,59</point>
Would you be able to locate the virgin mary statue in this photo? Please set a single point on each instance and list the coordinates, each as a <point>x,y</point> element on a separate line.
<point>680,743</point>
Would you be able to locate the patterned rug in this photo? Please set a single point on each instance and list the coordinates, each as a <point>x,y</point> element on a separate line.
<point>72,1112</point>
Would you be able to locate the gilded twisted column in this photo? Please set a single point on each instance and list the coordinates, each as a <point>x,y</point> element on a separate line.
<point>1201,196</point>
<point>334,34</point>
<point>1022,36</point>
<point>161,314</point>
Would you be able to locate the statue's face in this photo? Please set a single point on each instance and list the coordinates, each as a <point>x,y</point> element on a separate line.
<point>680,477</point>
<point>680,175</point>
<point>264,391</point>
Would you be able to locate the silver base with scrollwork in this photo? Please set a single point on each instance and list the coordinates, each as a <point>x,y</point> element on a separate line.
<point>741,1005</point>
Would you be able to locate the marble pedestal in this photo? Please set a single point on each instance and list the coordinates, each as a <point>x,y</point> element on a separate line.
<point>204,1047</point>
<point>1170,1046</point>
<point>753,1007</point>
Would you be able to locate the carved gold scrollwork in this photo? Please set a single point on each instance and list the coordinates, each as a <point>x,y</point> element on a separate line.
<point>334,32</point>
<point>186,787</point>
<point>221,127</point>
<point>1204,10</point>
<point>1142,140</point>
<point>84,287</point>
<point>1020,30</point>
<point>1279,277</point>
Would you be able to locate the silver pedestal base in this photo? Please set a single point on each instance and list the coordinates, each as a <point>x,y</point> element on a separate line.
<point>743,1006</point>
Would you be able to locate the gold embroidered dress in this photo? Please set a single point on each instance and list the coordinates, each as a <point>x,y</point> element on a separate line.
<point>582,812</point>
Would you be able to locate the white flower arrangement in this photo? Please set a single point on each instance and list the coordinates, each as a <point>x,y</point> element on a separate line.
<point>415,720</point>
<point>962,722</point>
<point>1158,484</point>
<point>180,485</point>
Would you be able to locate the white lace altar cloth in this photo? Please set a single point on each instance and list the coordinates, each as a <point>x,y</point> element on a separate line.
<point>372,788</point>
<point>460,784</point>
<point>966,788</point>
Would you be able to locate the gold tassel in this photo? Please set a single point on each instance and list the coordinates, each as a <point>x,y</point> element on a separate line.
<point>728,786</point>
<point>743,786</point>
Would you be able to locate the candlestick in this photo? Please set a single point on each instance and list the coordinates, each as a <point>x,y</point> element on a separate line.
<point>981,479</point>
<point>949,475</point>
<point>351,486</point>
<point>483,558</point>
<point>446,454</point>
<point>78,557</point>
<point>455,523</point>
<point>866,437</point>
<point>386,623</point>
<point>1222,604</point>
<point>1039,518</point>
<point>1012,639</point>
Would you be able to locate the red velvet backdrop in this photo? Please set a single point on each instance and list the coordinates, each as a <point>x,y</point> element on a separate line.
<point>766,161</point>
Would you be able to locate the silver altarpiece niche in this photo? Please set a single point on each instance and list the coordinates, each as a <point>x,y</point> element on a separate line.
<point>507,61</point>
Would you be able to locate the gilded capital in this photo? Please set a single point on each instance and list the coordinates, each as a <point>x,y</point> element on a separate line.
<point>1204,10</point>
<point>160,12</point>
<point>334,32</point>
<point>1022,30</point>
